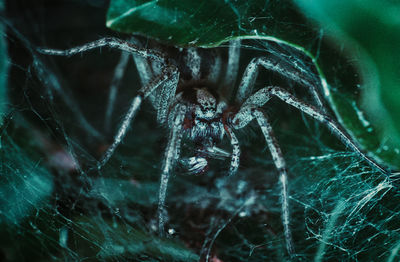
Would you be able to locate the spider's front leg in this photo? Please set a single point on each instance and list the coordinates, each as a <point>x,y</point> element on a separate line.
<point>251,109</point>
<point>332,125</point>
<point>246,114</point>
<point>235,158</point>
<point>280,164</point>
<point>168,79</point>
<point>299,76</point>
<point>263,95</point>
<point>50,80</point>
<point>110,42</point>
<point>171,156</point>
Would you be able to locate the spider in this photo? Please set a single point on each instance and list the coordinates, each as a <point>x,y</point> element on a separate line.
<point>192,91</point>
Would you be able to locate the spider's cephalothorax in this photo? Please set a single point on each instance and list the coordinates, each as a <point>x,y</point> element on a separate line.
<point>203,119</point>
<point>203,124</point>
<point>183,86</point>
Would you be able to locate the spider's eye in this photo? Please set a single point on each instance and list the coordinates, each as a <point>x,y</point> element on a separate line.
<point>208,108</point>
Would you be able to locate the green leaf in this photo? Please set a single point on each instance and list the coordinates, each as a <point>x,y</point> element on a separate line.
<point>201,23</point>
<point>369,31</point>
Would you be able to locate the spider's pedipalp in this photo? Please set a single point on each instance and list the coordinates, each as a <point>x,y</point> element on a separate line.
<point>194,164</point>
<point>171,156</point>
<point>280,164</point>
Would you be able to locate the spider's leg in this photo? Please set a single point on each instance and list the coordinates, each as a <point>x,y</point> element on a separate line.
<point>232,68</point>
<point>193,61</point>
<point>280,164</point>
<point>142,65</point>
<point>167,91</point>
<point>115,82</point>
<point>134,107</point>
<point>215,67</point>
<point>246,114</point>
<point>235,151</point>
<point>144,69</point>
<point>49,79</point>
<point>326,120</point>
<point>110,42</point>
<point>166,95</point>
<point>171,156</point>
<point>251,72</point>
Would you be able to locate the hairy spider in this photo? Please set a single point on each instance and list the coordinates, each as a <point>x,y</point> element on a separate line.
<point>194,95</point>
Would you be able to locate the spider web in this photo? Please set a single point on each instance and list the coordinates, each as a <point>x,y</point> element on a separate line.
<point>54,206</point>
